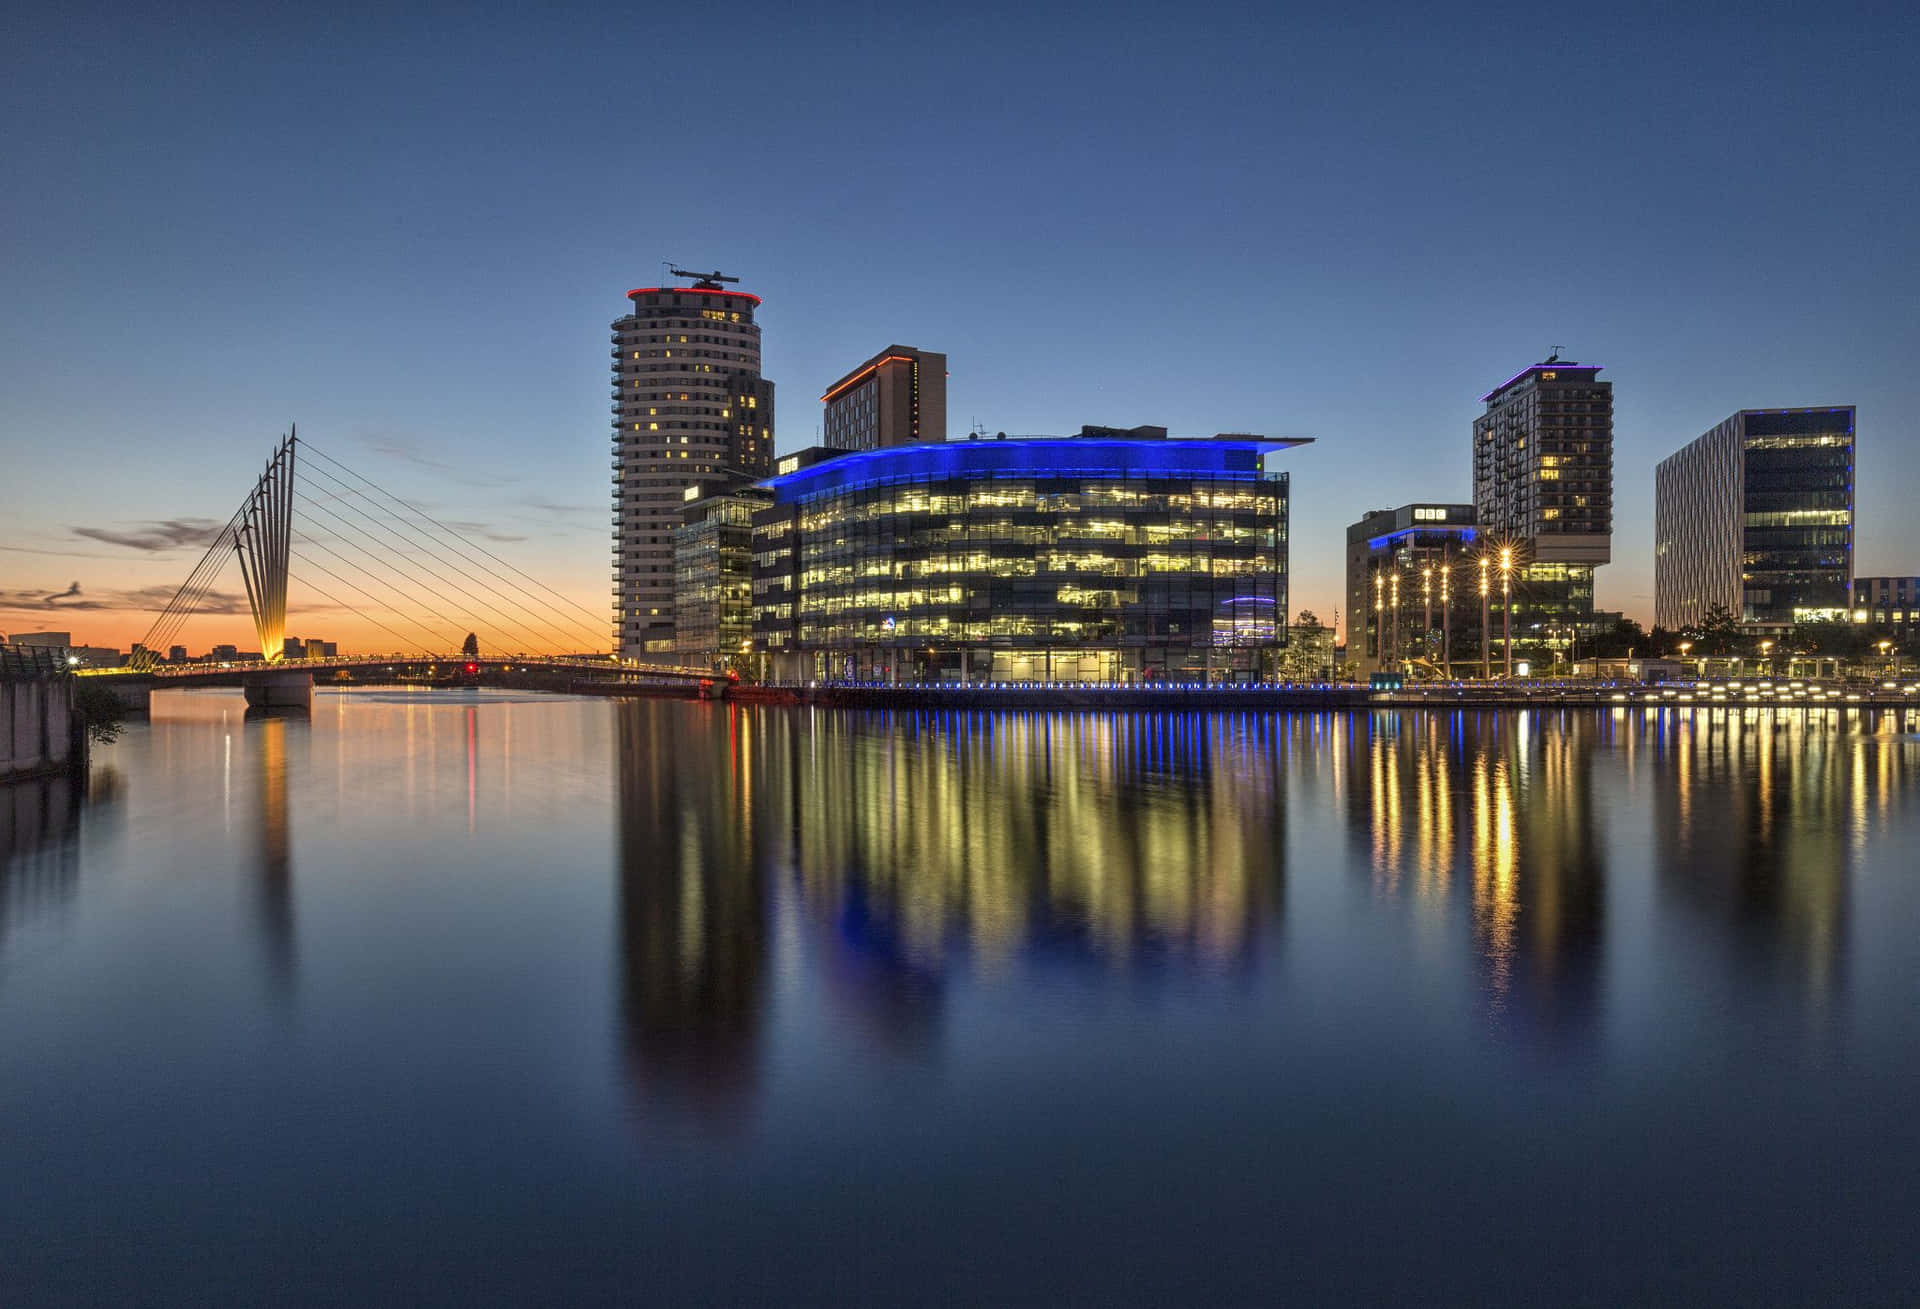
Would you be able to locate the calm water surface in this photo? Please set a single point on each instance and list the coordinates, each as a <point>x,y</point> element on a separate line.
<point>461,996</point>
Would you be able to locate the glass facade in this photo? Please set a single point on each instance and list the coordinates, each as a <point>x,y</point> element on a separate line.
<point>713,577</point>
<point>1068,558</point>
<point>1796,563</point>
<point>1756,516</point>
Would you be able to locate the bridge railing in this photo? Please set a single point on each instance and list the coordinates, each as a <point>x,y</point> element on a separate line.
<point>590,663</point>
<point>32,662</point>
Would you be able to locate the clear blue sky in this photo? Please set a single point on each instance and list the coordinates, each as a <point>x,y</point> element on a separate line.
<point>409,231</point>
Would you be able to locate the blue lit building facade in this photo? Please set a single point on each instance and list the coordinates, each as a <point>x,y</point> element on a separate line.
<point>1116,555</point>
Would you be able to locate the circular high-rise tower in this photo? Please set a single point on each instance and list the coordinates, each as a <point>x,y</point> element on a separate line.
<point>689,408</point>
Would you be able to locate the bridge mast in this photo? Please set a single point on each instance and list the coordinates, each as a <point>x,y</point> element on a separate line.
<point>264,542</point>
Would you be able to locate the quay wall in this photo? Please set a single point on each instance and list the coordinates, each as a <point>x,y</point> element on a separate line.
<point>36,726</point>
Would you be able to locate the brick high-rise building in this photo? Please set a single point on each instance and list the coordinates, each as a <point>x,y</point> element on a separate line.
<point>898,397</point>
<point>689,409</point>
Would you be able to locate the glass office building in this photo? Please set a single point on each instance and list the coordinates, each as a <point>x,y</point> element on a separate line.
<point>1757,515</point>
<point>713,572</point>
<point>1116,555</point>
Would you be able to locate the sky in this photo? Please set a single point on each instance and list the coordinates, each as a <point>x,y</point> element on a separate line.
<point>408,229</point>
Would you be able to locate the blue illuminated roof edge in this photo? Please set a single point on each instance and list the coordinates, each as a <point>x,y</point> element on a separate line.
<point>849,467</point>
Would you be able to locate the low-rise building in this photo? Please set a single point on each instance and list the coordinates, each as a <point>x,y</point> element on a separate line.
<point>1886,601</point>
<point>1411,586</point>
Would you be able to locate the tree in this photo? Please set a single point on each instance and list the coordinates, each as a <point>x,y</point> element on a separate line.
<point>1661,642</point>
<point>1717,633</point>
<point>1307,618</point>
<point>103,712</point>
<point>471,647</point>
<point>1625,637</point>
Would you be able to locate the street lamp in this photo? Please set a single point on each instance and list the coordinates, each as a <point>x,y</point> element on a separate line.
<point>1486,636</point>
<point>1379,616</point>
<point>1426,622</point>
<point>1446,617</point>
<point>1884,647</point>
<point>1685,646</point>
<point>1395,583</point>
<point>1506,600</point>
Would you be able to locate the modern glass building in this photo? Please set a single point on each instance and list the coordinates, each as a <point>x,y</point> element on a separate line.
<point>1116,555</point>
<point>713,572</point>
<point>1757,515</point>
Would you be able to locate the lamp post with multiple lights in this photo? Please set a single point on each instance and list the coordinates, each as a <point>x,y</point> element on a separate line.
<point>1426,619</point>
<point>1446,615</point>
<point>1506,600</point>
<point>1379,617</point>
<point>1393,588</point>
<point>1486,632</point>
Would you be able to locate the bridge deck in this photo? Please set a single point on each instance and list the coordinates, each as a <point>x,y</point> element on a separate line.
<point>453,663</point>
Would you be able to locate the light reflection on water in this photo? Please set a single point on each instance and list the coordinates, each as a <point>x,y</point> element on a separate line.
<point>706,992</point>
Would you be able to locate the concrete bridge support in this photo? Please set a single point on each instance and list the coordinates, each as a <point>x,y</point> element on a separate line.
<point>280,691</point>
<point>136,696</point>
<point>36,726</point>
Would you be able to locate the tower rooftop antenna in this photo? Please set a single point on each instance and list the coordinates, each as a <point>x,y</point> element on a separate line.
<point>703,281</point>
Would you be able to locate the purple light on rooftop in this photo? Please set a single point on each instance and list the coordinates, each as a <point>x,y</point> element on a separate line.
<point>1534,368</point>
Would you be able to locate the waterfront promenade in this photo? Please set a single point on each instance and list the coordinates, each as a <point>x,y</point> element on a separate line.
<point>1810,696</point>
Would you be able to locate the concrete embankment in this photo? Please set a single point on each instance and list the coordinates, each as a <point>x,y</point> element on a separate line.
<point>38,732</point>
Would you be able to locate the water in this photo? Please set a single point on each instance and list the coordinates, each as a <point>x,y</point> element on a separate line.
<point>445,997</point>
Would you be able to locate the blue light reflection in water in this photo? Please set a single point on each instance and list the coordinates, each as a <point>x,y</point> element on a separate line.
<point>466,996</point>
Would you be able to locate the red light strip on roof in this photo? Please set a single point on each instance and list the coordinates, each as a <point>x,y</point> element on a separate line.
<point>842,387</point>
<point>688,290</point>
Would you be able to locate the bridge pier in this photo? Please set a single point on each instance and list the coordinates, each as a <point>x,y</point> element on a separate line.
<point>136,696</point>
<point>279,691</point>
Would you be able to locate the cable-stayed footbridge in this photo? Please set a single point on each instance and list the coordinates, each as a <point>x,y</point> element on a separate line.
<point>368,553</point>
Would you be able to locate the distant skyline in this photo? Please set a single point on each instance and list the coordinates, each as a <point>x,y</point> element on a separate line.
<point>409,232</point>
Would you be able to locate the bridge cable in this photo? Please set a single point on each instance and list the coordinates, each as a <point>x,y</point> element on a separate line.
<point>453,623</point>
<point>385,560</point>
<point>593,618</point>
<point>190,598</point>
<point>518,625</point>
<point>540,612</point>
<point>385,606</point>
<point>357,613</point>
<point>183,600</point>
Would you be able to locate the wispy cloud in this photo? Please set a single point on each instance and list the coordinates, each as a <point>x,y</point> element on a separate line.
<point>554,507</point>
<point>467,527</point>
<point>390,446</point>
<point>45,599</point>
<point>168,534</point>
<point>151,599</point>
